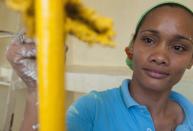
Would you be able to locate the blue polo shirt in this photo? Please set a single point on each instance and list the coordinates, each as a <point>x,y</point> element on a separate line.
<point>116,110</point>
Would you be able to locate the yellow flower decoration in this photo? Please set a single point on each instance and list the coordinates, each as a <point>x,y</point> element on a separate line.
<point>81,21</point>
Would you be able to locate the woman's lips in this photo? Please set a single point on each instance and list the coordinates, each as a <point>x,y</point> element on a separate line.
<point>156,74</point>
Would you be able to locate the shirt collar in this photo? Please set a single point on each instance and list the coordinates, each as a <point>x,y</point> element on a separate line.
<point>185,104</point>
<point>127,98</point>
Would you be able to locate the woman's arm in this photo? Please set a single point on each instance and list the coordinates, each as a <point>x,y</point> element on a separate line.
<point>30,119</point>
<point>22,57</point>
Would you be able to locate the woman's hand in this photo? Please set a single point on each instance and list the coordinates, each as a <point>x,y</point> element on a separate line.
<point>22,57</point>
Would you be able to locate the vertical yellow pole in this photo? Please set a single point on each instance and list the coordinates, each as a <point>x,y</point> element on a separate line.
<point>50,49</point>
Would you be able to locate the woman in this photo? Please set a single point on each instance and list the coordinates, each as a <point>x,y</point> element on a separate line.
<point>160,52</point>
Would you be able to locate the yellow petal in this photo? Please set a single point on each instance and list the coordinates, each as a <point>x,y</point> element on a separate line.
<point>19,5</point>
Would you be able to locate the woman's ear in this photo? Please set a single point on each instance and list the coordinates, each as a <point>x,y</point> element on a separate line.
<point>190,64</point>
<point>129,52</point>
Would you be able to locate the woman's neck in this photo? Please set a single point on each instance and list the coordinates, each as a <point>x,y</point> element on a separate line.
<point>165,113</point>
<point>155,101</point>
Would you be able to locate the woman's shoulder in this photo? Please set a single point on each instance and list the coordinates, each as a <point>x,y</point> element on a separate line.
<point>95,98</point>
<point>84,109</point>
<point>186,106</point>
<point>111,94</point>
<point>181,99</point>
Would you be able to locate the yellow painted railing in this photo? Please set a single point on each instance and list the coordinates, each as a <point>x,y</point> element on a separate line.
<point>49,21</point>
<point>50,47</point>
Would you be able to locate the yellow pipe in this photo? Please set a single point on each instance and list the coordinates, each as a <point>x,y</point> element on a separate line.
<point>50,58</point>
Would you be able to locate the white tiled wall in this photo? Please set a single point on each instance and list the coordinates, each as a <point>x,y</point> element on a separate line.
<point>9,21</point>
<point>3,100</point>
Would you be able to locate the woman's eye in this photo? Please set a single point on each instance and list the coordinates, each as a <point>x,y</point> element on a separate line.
<point>148,40</point>
<point>179,48</point>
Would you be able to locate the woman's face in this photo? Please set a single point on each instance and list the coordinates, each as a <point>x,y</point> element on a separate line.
<point>163,48</point>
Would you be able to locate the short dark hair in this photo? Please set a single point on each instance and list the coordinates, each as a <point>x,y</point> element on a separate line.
<point>141,21</point>
<point>169,4</point>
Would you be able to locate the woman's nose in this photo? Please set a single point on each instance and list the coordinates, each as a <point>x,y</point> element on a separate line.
<point>159,56</point>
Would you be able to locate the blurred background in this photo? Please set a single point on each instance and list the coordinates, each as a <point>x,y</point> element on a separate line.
<point>89,67</point>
